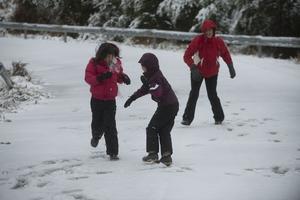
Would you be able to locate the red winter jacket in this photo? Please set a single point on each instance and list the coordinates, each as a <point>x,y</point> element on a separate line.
<point>106,89</point>
<point>209,50</point>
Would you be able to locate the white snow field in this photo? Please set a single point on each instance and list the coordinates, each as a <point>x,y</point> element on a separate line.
<point>254,155</point>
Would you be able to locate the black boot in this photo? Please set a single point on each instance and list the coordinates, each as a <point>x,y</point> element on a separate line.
<point>218,122</point>
<point>114,157</point>
<point>151,157</point>
<point>95,141</point>
<point>186,122</point>
<point>166,160</point>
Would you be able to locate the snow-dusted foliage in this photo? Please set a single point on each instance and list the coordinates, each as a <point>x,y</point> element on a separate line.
<point>7,9</point>
<point>179,12</point>
<point>53,11</point>
<point>24,91</point>
<point>259,17</point>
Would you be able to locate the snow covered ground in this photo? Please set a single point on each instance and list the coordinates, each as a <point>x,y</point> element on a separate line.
<point>255,154</point>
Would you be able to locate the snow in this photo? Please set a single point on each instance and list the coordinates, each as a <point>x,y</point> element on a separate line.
<point>255,154</point>
<point>7,9</point>
<point>172,8</point>
<point>23,91</point>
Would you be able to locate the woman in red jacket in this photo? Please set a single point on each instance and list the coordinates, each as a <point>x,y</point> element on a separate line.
<point>103,72</point>
<point>208,47</point>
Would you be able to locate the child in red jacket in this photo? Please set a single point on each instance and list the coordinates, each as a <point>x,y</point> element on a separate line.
<point>208,47</point>
<point>103,72</point>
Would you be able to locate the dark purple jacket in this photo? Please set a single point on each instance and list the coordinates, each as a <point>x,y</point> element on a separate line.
<point>158,86</point>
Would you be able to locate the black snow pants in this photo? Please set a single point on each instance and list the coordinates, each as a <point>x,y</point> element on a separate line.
<point>211,87</point>
<point>159,129</point>
<point>104,122</point>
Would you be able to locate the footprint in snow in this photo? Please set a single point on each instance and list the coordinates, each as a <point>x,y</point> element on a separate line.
<point>104,172</point>
<point>280,170</point>
<point>21,182</point>
<point>71,191</point>
<point>241,124</point>
<point>49,162</point>
<point>273,132</point>
<point>242,134</point>
<point>268,119</point>
<point>80,197</point>
<point>230,129</point>
<point>192,145</point>
<point>232,174</point>
<point>98,154</point>
<point>212,139</point>
<point>5,143</point>
<point>76,178</point>
<point>275,141</point>
<point>42,184</point>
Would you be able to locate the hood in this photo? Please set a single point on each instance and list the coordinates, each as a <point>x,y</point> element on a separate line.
<point>208,24</point>
<point>150,61</point>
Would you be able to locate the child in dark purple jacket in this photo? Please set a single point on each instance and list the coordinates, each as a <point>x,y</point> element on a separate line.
<point>162,122</point>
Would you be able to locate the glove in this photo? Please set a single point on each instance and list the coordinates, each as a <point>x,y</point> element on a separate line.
<point>196,76</point>
<point>104,76</point>
<point>231,70</point>
<point>126,79</point>
<point>129,101</point>
<point>144,80</point>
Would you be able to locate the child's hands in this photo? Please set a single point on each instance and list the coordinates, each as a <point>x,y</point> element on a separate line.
<point>231,70</point>
<point>126,79</point>
<point>196,76</point>
<point>128,102</point>
<point>104,76</point>
<point>144,80</point>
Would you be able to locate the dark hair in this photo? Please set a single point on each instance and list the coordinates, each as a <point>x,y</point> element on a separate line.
<point>116,49</point>
<point>104,50</point>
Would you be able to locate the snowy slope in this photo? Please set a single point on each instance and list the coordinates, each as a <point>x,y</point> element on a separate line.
<point>255,154</point>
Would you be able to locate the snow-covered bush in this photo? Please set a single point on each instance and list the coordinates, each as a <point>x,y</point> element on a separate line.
<point>53,11</point>
<point>23,91</point>
<point>7,9</point>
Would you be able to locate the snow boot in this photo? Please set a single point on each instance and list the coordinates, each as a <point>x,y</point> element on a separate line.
<point>166,160</point>
<point>218,122</point>
<point>151,157</point>
<point>114,157</point>
<point>95,141</point>
<point>186,122</point>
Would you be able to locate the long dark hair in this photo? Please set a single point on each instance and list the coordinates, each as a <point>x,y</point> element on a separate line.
<point>105,49</point>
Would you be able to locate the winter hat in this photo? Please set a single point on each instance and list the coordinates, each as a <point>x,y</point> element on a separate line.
<point>150,61</point>
<point>208,24</point>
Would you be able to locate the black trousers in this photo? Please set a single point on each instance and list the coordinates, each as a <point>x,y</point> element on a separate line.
<point>104,122</point>
<point>159,129</point>
<point>211,87</point>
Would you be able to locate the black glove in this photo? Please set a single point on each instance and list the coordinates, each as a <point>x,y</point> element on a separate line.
<point>126,79</point>
<point>231,70</point>
<point>129,101</point>
<point>196,76</point>
<point>104,76</point>
<point>144,80</point>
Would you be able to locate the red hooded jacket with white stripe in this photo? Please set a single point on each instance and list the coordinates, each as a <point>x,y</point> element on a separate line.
<point>209,50</point>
